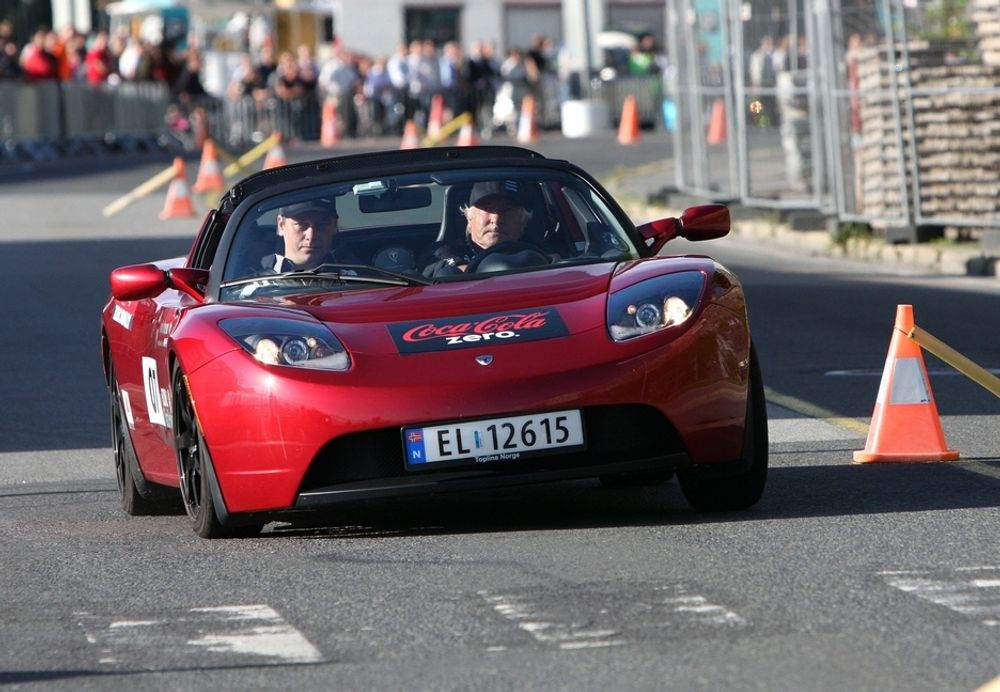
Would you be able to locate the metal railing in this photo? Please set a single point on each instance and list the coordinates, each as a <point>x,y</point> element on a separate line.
<point>863,112</point>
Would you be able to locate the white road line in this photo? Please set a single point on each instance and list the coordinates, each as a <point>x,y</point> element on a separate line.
<point>705,612</point>
<point>546,631</point>
<point>958,590</point>
<point>593,616</point>
<point>210,636</point>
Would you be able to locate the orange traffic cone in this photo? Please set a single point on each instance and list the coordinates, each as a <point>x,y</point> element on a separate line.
<point>717,123</point>
<point>467,135</point>
<point>209,178</point>
<point>527,129</point>
<point>905,425</point>
<point>179,204</point>
<point>436,117</point>
<point>628,128</point>
<point>329,134</point>
<point>276,155</point>
<point>411,139</point>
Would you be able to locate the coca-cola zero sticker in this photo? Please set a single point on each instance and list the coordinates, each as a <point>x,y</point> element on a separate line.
<point>469,331</point>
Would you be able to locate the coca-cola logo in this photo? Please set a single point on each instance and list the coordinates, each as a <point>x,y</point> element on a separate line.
<point>477,330</point>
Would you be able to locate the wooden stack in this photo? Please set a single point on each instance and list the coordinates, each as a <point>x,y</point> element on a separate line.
<point>986,16</point>
<point>956,134</point>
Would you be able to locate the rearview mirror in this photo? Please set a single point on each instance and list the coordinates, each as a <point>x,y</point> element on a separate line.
<point>395,200</point>
<point>703,222</point>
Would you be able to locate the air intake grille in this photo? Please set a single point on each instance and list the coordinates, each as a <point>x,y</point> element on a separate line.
<point>614,434</point>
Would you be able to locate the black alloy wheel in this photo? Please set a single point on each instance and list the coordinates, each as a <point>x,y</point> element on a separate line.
<point>192,465</point>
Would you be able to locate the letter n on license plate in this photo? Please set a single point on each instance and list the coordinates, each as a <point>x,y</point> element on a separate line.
<point>493,440</point>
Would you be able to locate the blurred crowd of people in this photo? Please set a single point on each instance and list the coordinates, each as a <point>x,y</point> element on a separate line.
<point>376,95</point>
<point>373,95</point>
<point>69,55</point>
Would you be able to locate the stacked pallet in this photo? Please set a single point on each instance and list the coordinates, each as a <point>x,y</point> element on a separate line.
<point>986,16</point>
<point>956,135</point>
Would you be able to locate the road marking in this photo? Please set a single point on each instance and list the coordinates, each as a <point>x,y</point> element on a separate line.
<point>992,686</point>
<point>852,424</point>
<point>605,615</point>
<point>224,635</point>
<point>546,631</point>
<point>813,411</point>
<point>971,592</point>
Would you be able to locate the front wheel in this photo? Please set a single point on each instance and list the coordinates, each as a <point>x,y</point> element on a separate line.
<point>708,492</point>
<point>193,468</point>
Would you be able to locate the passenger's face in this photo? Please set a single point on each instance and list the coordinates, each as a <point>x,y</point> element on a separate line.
<point>308,238</point>
<point>495,220</point>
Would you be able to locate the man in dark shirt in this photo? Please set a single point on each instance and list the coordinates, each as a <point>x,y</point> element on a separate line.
<point>495,214</point>
<point>307,229</point>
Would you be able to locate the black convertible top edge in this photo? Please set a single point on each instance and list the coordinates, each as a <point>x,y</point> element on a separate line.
<point>416,157</point>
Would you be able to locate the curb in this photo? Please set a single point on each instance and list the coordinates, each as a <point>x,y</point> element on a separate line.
<point>757,224</point>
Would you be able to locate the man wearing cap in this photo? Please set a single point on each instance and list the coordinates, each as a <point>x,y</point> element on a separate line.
<point>308,229</point>
<point>495,214</point>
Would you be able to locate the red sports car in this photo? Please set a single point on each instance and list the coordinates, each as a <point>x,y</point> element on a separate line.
<point>416,322</point>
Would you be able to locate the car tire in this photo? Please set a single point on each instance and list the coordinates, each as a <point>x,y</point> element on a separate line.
<point>132,501</point>
<point>706,490</point>
<point>193,462</point>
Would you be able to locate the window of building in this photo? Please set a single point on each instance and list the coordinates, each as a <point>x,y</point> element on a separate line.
<point>439,24</point>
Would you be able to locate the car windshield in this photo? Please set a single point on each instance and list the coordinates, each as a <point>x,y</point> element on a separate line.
<point>457,225</point>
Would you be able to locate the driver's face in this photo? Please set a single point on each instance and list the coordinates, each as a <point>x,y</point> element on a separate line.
<point>307,238</point>
<point>495,220</point>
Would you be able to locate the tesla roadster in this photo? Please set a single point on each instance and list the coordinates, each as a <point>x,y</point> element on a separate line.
<point>253,387</point>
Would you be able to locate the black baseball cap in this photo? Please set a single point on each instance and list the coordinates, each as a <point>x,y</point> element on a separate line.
<point>325,205</point>
<point>500,189</point>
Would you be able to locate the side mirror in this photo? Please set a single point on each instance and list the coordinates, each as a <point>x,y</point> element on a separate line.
<point>704,222</point>
<point>140,281</point>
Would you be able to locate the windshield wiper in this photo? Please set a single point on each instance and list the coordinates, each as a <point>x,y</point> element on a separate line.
<point>343,273</point>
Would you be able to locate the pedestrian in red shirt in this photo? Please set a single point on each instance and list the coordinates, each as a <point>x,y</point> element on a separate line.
<point>99,60</point>
<point>37,59</point>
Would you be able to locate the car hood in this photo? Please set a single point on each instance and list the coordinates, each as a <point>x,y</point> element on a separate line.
<point>511,292</point>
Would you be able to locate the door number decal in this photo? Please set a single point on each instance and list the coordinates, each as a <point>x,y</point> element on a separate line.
<point>151,386</point>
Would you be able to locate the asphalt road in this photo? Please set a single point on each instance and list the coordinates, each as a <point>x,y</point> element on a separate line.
<point>843,577</point>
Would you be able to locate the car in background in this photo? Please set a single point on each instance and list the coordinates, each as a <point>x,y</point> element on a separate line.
<point>255,393</point>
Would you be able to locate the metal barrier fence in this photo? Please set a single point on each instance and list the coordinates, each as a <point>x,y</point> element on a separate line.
<point>647,90</point>
<point>51,110</point>
<point>879,112</point>
<point>38,118</point>
<point>249,120</point>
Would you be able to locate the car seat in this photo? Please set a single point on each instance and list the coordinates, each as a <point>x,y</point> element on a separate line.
<point>453,223</point>
<point>252,244</point>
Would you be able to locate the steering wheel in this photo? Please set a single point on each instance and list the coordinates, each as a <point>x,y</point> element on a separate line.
<point>397,259</point>
<point>510,254</point>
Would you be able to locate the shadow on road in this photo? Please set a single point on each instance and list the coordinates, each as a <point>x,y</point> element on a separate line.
<point>50,377</point>
<point>793,493</point>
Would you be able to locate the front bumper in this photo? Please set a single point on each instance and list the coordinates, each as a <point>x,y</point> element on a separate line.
<point>286,439</point>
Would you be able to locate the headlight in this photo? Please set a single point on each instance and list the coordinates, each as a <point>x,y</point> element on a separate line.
<point>277,341</point>
<point>649,306</point>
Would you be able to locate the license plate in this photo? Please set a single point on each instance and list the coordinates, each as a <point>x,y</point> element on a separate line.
<point>493,440</point>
